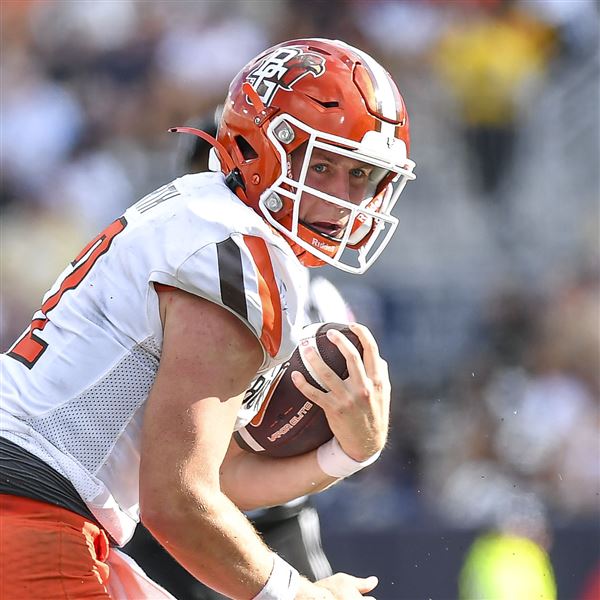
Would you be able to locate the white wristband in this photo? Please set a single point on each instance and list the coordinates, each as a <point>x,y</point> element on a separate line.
<point>283,582</point>
<point>336,463</point>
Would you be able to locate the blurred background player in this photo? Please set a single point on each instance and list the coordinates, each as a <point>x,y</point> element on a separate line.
<point>292,529</point>
<point>511,560</point>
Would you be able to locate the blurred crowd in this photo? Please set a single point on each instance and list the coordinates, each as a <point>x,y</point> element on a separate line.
<point>487,301</point>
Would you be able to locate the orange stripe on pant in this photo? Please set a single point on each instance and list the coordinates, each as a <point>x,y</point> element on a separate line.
<point>48,552</point>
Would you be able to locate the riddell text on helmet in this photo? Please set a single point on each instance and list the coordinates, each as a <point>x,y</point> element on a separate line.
<point>322,245</point>
<point>292,422</point>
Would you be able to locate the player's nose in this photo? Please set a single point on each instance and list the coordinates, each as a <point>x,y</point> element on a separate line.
<point>339,186</point>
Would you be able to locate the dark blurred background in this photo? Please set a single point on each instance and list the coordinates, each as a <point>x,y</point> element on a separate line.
<point>486,303</point>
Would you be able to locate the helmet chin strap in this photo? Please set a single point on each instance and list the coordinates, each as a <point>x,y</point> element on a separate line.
<point>223,155</point>
<point>233,178</point>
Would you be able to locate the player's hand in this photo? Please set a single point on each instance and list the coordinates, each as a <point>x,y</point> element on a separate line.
<point>358,407</point>
<point>342,586</point>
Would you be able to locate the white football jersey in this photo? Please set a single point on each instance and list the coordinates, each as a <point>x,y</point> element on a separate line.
<point>74,385</point>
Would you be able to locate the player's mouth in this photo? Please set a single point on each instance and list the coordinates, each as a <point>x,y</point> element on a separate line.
<point>330,229</point>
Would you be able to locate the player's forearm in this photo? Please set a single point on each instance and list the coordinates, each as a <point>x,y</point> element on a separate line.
<point>214,541</point>
<point>253,481</point>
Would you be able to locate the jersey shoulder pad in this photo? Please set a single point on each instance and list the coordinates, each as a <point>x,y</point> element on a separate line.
<point>228,254</point>
<point>255,281</point>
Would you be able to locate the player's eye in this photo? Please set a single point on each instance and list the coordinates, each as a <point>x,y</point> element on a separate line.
<point>319,168</point>
<point>359,173</point>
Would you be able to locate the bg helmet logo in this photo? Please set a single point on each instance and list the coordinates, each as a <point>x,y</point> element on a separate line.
<point>282,69</point>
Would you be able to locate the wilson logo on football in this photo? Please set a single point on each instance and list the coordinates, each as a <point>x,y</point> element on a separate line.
<point>292,422</point>
<point>282,69</point>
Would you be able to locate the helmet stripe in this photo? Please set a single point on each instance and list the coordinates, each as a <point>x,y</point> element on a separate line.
<point>384,90</point>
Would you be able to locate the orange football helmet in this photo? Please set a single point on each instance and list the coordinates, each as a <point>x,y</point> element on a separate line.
<point>324,95</point>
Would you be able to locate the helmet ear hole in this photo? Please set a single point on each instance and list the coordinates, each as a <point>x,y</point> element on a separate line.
<point>246,150</point>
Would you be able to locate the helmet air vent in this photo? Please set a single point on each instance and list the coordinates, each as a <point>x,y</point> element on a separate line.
<point>319,50</point>
<point>325,103</point>
<point>246,150</point>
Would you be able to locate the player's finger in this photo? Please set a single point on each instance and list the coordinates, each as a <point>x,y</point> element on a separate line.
<point>362,584</point>
<point>310,391</point>
<point>371,356</point>
<point>366,584</point>
<point>321,372</point>
<point>354,361</point>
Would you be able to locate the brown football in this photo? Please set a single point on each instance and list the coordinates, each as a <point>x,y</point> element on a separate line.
<point>287,423</point>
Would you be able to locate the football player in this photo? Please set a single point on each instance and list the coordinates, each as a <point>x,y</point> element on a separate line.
<point>120,398</point>
<point>293,529</point>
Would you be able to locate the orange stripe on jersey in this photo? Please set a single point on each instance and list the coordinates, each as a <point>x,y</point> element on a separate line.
<point>269,294</point>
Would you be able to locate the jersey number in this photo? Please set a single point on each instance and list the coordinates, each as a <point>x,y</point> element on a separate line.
<point>30,347</point>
